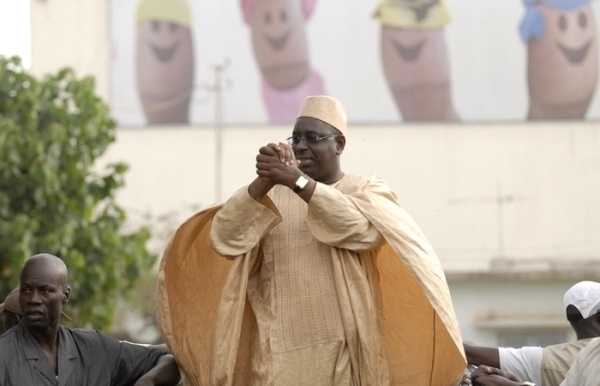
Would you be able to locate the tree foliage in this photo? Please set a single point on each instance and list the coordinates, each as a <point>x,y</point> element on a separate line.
<point>53,200</point>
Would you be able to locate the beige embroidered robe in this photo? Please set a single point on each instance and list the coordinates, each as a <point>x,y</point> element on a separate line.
<point>344,290</point>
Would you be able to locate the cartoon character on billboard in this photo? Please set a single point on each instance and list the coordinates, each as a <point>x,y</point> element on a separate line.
<point>281,50</point>
<point>562,53</point>
<point>415,59</point>
<point>165,60</point>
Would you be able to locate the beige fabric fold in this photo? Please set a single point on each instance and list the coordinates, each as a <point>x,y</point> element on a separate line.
<point>412,338</point>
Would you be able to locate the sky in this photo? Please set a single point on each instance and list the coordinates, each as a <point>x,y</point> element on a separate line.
<point>15,31</point>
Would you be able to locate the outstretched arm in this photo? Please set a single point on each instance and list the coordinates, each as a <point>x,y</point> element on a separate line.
<point>247,216</point>
<point>165,373</point>
<point>241,223</point>
<point>130,362</point>
<point>334,219</point>
<point>491,376</point>
<point>479,355</point>
<point>259,188</point>
<point>277,164</point>
<point>271,156</point>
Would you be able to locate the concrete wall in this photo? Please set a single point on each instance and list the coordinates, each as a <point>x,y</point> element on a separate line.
<point>71,33</point>
<point>509,305</point>
<point>449,178</point>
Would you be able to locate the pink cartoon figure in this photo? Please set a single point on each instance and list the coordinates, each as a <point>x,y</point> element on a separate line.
<point>562,53</point>
<point>281,51</point>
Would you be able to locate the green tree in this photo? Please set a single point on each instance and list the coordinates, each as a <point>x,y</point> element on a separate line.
<point>53,200</point>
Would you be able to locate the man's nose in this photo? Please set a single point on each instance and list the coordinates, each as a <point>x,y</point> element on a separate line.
<point>301,144</point>
<point>34,297</point>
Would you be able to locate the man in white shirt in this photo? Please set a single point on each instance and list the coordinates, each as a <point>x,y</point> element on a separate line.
<point>585,371</point>
<point>548,366</point>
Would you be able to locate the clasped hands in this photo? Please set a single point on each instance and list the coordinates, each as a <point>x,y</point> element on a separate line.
<point>278,164</point>
<point>491,376</point>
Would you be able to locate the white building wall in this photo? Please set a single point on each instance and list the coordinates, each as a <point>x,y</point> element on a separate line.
<point>71,33</point>
<point>509,301</point>
<point>447,177</point>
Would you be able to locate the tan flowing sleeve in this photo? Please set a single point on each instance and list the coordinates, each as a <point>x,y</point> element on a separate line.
<point>241,223</point>
<point>334,220</point>
<point>423,340</point>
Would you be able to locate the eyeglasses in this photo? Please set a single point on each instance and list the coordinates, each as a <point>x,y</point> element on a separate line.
<point>311,138</point>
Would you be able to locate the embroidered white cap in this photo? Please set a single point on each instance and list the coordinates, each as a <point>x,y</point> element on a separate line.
<point>585,296</point>
<point>326,109</point>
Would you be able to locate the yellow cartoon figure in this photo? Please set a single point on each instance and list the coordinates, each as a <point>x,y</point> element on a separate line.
<point>165,60</point>
<point>415,58</point>
<point>562,53</point>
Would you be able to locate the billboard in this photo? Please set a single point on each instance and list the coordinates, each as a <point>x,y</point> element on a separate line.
<point>192,62</point>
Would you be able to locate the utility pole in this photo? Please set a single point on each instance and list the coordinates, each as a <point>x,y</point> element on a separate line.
<point>501,199</point>
<point>220,84</point>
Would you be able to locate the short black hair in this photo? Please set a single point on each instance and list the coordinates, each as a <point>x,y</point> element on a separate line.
<point>574,318</point>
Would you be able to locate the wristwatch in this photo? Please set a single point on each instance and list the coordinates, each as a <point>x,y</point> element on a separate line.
<point>301,182</point>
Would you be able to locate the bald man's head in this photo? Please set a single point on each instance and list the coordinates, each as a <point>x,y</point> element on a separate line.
<point>44,290</point>
<point>49,263</point>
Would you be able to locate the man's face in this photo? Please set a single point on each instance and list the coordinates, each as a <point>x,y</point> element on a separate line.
<point>318,160</point>
<point>42,296</point>
<point>279,41</point>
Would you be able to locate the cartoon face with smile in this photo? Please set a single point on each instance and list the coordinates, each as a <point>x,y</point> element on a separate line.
<point>406,53</point>
<point>279,42</point>
<point>164,50</point>
<point>415,60</point>
<point>563,65</point>
<point>165,62</point>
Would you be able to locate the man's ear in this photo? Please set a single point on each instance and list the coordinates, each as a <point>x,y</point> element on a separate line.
<point>66,295</point>
<point>340,143</point>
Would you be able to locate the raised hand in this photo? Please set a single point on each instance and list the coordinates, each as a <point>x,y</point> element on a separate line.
<point>285,152</point>
<point>491,376</point>
<point>277,163</point>
<point>271,161</point>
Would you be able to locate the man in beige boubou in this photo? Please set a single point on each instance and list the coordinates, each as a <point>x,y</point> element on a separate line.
<point>308,276</point>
